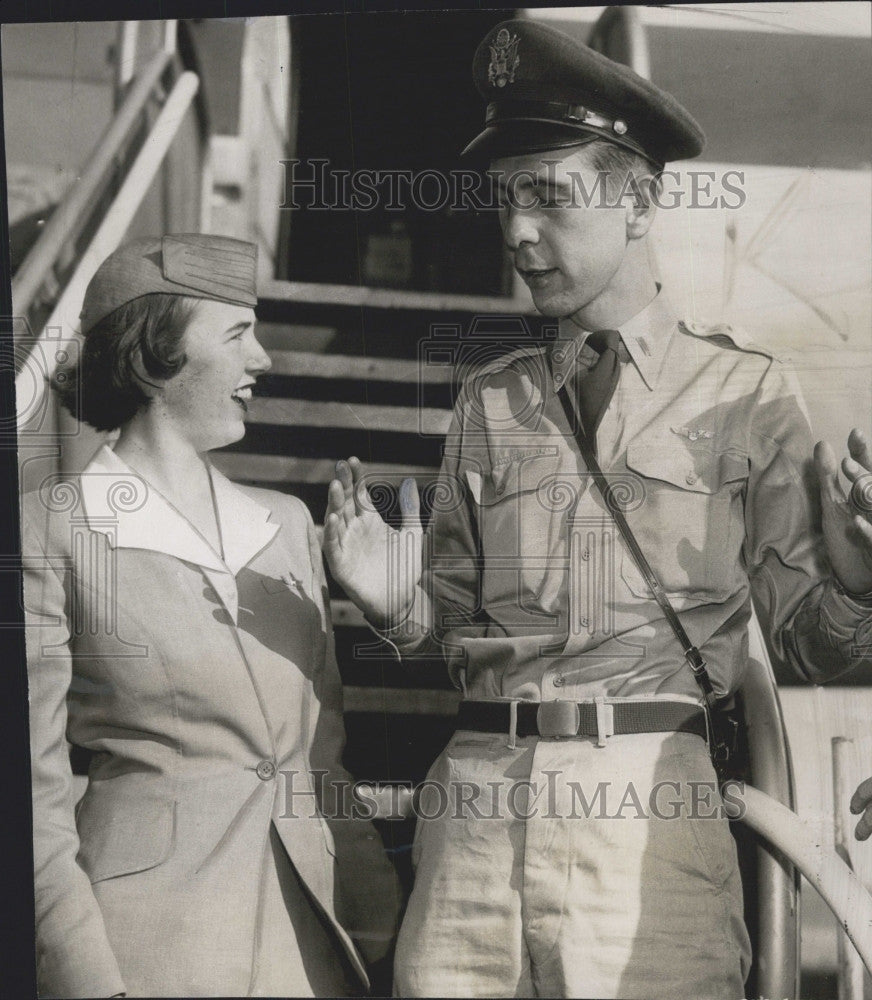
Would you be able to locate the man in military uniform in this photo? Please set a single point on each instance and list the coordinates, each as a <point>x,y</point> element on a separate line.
<point>600,865</point>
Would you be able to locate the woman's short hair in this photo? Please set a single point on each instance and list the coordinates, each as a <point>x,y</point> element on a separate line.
<point>138,341</point>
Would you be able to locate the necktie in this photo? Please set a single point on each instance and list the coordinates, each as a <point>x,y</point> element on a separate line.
<point>595,387</point>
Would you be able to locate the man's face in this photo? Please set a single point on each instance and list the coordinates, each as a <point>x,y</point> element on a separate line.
<point>567,247</point>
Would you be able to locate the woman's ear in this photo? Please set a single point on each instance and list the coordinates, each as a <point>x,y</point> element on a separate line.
<point>149,387</point>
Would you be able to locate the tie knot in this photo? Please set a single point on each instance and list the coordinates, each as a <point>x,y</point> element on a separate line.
<point>604,340</point>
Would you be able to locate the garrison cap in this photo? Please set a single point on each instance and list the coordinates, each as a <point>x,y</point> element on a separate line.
<point>193,264</point>
<point>547,91</point>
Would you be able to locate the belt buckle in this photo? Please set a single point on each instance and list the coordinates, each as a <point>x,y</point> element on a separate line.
<point>558,720</point>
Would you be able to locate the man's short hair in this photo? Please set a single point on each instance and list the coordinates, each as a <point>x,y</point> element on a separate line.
<point>138,341</point>
<point>618,164</point>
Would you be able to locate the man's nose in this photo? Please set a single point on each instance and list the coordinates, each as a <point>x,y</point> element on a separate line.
<point>518,227</point>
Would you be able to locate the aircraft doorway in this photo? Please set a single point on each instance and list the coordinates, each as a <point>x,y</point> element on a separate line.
<point>388,93</point>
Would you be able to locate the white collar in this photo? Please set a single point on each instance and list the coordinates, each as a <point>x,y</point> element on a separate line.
<point>134,515</point>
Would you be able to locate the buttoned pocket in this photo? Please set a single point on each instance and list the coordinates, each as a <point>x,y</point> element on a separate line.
<point>686,514</point>
<point>521,514</point>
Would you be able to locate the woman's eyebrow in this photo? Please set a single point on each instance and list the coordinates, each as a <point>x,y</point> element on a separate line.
<point>239,327</point>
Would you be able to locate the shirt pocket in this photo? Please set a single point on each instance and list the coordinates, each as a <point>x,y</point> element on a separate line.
<point>522,516</point>
<point>686,514</point>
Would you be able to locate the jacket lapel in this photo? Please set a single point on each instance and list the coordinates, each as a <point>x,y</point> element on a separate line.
<point>121,504</point>
<point>246,528</point>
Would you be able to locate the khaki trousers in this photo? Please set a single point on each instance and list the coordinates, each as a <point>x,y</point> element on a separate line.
<point>561,868</point>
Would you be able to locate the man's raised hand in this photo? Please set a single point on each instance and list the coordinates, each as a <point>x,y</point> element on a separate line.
<point>847,524</point>
<point>861,802</point>
<point>377,566</point>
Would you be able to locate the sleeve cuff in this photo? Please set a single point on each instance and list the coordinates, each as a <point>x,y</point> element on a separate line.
<point>408,633</point>
<point>858,601</point>
<point>844,612</point>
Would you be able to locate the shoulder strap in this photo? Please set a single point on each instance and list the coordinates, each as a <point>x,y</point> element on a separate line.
<point>720,748</point>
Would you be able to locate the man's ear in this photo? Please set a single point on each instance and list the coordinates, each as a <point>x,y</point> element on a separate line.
<point>641,207</point>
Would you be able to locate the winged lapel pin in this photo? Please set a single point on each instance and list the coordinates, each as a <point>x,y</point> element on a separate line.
<point>692,433</point>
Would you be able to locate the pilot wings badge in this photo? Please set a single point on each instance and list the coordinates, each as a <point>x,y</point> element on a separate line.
<point>504,59</point>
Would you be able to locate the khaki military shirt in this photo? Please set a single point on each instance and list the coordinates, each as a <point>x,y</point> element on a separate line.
<point>529,589</point>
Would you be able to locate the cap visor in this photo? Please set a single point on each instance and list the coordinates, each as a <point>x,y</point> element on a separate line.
<point>515,138</point>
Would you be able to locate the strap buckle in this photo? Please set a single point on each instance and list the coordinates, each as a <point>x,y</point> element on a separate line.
<point>558,720</point>
<point>723,733</point>
<point>696,661</point>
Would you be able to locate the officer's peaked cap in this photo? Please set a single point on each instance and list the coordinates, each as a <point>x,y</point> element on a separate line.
<point>544,90</point>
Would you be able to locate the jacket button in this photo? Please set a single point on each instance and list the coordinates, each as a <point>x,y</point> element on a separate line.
<point>585,555</point>
<point>690,479</point>
<point>559,682</point>
<point>266,770</point>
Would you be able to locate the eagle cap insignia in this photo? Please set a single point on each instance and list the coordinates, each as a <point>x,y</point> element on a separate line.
<point>504,59</point>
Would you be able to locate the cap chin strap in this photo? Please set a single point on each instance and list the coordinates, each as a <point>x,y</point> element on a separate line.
<point>604,124</point>
<point>722,728</point>
<point>552,111</point>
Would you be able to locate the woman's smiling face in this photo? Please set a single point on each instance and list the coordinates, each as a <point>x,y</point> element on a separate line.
<point>207,400</point>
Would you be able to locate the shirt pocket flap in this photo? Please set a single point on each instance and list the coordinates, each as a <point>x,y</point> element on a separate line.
<point>524,475</point>
<point>700,467</point>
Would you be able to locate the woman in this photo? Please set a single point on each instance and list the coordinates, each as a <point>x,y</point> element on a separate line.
<point>179,630</point>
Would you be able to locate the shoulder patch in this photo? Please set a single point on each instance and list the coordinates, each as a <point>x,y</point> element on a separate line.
<point>726,336</point>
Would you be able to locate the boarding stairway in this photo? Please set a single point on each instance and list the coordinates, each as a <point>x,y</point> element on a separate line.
<point>372,372</point>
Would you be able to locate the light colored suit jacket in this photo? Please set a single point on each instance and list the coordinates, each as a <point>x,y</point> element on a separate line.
<point>208,694</point>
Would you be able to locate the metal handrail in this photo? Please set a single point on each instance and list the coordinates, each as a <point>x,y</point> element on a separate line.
<point>837,885</point>
<point>66,221</point>
<point>107,237</point>
<point>778,895</point>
